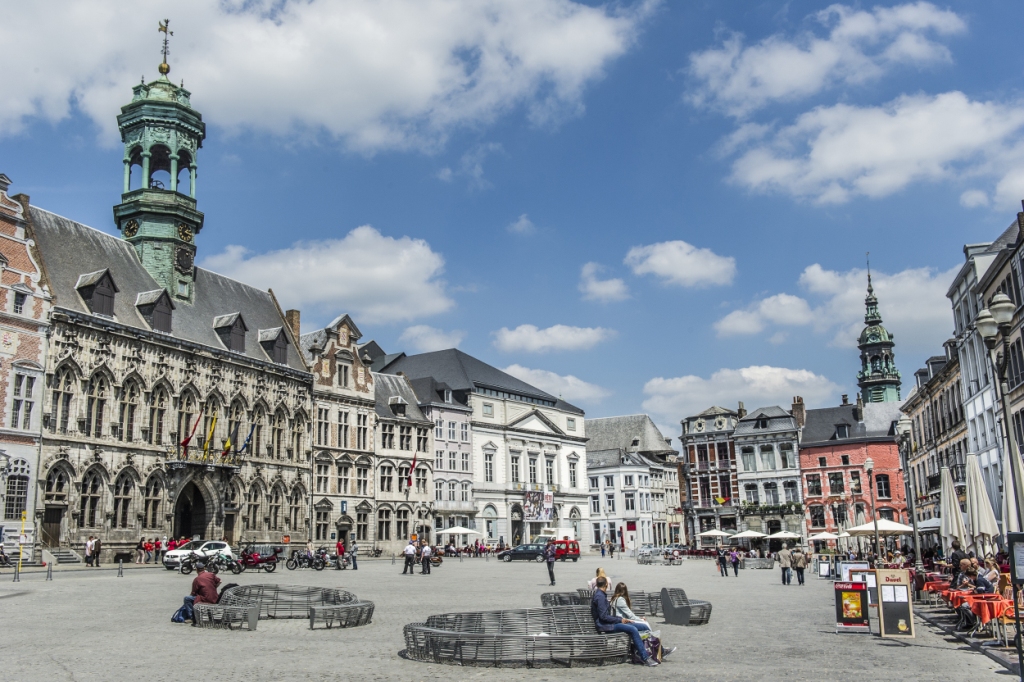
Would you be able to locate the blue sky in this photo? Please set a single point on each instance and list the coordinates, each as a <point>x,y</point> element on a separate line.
<point>640,206</point>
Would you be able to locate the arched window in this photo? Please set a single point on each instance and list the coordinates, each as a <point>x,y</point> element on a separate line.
<point>403,477</point>
<point>276,498</point>
<point>277,434</point>
<point>296,512</point>
<point>187,416</point>
<point>154,496</point>
<point>17,490</point>
<point>56,486</point>
<point>123,488</point>
<point>92,488</point>
<point>62,392</point>
<point>298,433</point>
<point>252,512</point>
<point>126,418</point>
<point>255,446</point>
<point>97,402</point>
<point>451,491</point>
<point>236,415</point>
<point>157,415</point>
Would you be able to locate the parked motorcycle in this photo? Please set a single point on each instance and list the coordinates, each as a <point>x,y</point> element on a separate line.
<point>300,559</point>
<point>253,559</point>
<point>188,563</point>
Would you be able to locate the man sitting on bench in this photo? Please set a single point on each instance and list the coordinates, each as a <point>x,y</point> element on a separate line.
<point>604,621</point>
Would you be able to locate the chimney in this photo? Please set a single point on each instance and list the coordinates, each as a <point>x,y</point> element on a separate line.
<point>858,411</point>
<point>846,399</point>
<point>292,318</point>
<point>799,411</point>
<point>741,411</point>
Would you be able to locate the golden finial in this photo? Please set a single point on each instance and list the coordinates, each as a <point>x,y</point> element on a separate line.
<point>164,67</point>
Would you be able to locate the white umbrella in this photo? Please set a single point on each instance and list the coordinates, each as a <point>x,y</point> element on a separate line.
<point>784,535</point>
<point>750,534</point>
<point>885,527</point>
<point>1010,501</point>
<point>713,533</point>
<point>980,517</point>
<point>825,535</point>
<point>458,530</point>
<point>949,511</point>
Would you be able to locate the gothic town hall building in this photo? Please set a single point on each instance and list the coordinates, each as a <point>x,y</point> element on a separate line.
<point>146,352</point>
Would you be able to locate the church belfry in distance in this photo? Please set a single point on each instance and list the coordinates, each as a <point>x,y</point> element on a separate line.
<point>161,133</point>
<point>878,378</point>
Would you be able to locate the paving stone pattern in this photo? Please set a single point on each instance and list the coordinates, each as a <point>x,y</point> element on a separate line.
<point>90,625</point>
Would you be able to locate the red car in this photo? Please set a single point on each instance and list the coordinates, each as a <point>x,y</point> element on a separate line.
<point>567,549</point>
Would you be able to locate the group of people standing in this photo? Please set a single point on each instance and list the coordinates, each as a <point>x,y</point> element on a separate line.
<point>352,552</point>
<point>791,560</point>
<point>417,553</point>
<point>93,547</point>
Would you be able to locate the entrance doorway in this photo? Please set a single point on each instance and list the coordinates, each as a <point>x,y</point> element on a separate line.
<point>53,517</point>
<point>190,512</point>
<point>229,528</point>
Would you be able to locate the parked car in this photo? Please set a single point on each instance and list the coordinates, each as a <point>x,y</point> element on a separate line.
<point>203,547</point>
<point>567,549</point>
<point>523,553</point>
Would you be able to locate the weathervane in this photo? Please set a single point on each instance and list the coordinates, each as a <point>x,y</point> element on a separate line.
<point>163,28</point>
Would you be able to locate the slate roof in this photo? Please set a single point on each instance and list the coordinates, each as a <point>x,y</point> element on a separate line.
<point>714,411</point>
<point>70,250</point>
<point>614,457</point>
<point>463,372</point>
<point>430,391</point>
<point>820,427</point>
<point>778,420</point>
<point>386,387</point>
<point>607,433</point>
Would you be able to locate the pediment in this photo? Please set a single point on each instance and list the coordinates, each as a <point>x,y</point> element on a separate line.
<point>534,420</point>
<point>323,503</point>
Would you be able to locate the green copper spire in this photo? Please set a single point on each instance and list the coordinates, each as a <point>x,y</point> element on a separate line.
<point>161,133</point>
<point>878,378</point>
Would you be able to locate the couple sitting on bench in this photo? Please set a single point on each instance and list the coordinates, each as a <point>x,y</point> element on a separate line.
<point>617,616</point>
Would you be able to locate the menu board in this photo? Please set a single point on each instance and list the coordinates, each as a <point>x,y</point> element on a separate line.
<point>863,576</point>
<point>895,608</point>
<point>846,566</point>
<point>852,607</point>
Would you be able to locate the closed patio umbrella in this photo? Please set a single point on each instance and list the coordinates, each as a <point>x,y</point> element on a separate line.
<point>1010,501</point>
<point>981,520</point>
<point>949,508</point>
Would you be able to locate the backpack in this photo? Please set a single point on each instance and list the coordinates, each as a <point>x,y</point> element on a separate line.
<point>185,611</point>
<point>225,588</point>
<point>651,643</point>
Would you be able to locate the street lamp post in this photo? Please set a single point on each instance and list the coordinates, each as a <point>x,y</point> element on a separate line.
<point>903,431</point>
<point>869,467</point>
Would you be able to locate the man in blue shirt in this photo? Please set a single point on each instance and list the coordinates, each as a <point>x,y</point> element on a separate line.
<point>604,621</point>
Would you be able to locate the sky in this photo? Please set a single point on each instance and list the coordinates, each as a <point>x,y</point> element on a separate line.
<point>639,206</point>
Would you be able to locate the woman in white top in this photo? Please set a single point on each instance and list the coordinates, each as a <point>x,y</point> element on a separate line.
<point>592,584</point>
<point>991,571</point>
<point>623,607</point>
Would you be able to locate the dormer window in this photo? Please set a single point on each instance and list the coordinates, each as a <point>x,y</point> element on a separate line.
<point>155,307</point>
<point>397,405</point>
<point>761,423</point>
<point>275,343</point>
<point>842,431</point>
<point>231,329</point>
<point>97,289</point>
<point>19,302</point>
<point>635,443</point>
<point>447,396</point>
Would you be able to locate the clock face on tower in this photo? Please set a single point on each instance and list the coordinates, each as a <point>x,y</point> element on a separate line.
<point>131,228</point>
<point>185,233</point>
<point>183,261</point>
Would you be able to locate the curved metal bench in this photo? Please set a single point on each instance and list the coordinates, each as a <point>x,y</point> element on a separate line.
<point>679,610</point>
<point>230,617</point>
<point>285,601</point>
<point>349,615</point>
<point>545,637</point>
<point>560,599</point>
<point>643,603</point>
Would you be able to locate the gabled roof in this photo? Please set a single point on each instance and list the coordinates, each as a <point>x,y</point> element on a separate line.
<point>536,415</point>
<point>714,411</point>
<point>90,278</point>
<point>270,334</point>
<point>228,320</point>
<point>151,297</point>
<point>597,459</point>
<point>607,433</point>
<point>778,420</point>
<point>429,391</point>
<point>69,250</point>
<point>820,427</point>
<point>386,388</point>
<point>463,372</point>
<point>336,322</point>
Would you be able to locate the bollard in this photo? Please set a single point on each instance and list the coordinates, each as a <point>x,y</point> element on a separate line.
<point>392,558</point>
<point>49,571</point>
<point>460,557</point>
<point>120,568</point>
<point>17,574</point>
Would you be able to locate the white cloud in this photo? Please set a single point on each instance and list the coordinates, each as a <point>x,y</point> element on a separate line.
<point>373,75</point>
<point>677,262</point>
<point>860,47</point>
<point>568,387</point>
<point>425,339</point>
<point>973,198</point>
<point>374,277</point>
<point>673,399</point>
<point>782,309</point>
<point>832,154</point>
<point>912,302</point>
<point>603,290</point>
<point>528,338</point>
<point>522,225</point>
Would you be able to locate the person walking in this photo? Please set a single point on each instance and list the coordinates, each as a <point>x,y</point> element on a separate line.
<point>140,550</point>
<point>353,552</point>
<point>88,551</point>
<point>602,549</point>
<point>723,561</point>
<point>785,557</point>
<point>549,557</point>
<point>410,557</point>
<point>734,559</point>
<point>799,564</point>
<point>425,558</point>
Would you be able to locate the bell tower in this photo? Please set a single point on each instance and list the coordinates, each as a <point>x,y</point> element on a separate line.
<point>157,215</point>
<point>878,378</point>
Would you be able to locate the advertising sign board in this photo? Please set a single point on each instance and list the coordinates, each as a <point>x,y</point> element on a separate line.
<point>852,607</point>
<point>895,607</point>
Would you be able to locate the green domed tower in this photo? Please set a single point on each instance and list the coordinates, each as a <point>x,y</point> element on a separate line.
<point>878,378</point>
<point>161,133</point>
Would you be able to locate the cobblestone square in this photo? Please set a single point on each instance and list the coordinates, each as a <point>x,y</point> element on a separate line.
<point>90,625</point>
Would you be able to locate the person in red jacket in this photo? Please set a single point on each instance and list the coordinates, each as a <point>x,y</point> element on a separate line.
<point>340,548</point>
<point>204,587</point>
<point>148,546</point>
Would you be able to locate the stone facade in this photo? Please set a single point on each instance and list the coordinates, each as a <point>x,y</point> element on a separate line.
<point>24,321</point>
<point>708,472</point>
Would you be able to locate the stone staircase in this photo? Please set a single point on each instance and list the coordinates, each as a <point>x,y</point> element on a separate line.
<point>65,555</point>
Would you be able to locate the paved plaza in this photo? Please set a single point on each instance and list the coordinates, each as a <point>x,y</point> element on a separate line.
<point>90,625</point>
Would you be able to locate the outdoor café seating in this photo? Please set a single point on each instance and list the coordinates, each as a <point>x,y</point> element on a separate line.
<point>560,636</point>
